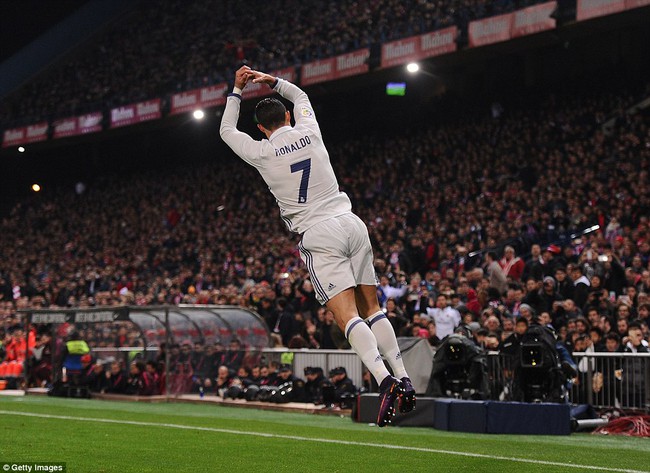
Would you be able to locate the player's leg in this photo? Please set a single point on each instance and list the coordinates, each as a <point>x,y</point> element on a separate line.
<point>324,249</point>
<point>368,305</point>
<point>361,338</point>
<point>364,343</point>
<point>366,297</point>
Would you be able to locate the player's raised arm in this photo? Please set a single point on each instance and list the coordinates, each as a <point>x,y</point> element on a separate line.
<point>243,145</point>
<point>303,112</point>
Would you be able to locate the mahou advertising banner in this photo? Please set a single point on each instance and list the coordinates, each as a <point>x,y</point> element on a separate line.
<point>14,137</point>
<point>586,9</point>
<point>65,127</point>
<point>629,4</point>
<point>90,123</point>
<point>260,90</point>
<point>419,47</point>
<point>37,132</point>
<point>204,97</point>
<point>337,67</point>
<point>135,113</point>
<point>74,126</point>
<point>533,19</point>
<point>490,30</point>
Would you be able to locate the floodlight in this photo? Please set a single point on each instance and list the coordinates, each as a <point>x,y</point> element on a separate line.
<point>412,67</point>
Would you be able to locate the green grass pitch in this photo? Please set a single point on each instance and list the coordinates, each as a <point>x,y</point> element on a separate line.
<point>103,436</point>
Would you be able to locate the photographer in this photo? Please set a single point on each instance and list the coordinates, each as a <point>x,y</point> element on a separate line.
<point>344,389</point>
<point>290,387</point>
<point>314,385</point>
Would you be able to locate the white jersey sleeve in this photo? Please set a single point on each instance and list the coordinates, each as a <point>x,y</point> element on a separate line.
<point>293,162</point>
<point>243,145</point>
<point>303,112</point>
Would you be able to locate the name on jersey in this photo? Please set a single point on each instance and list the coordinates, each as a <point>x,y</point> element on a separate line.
<point>298,145</point>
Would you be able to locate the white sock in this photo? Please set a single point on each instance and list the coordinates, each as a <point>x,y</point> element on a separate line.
<point>387,342</point>
<point>364,343</point>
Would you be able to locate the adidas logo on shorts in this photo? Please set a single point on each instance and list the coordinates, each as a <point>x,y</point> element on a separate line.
<point>331,286</point>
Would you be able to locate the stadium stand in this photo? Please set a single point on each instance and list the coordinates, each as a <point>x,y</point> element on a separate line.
<point>169,46</point>
<point>544,178</point>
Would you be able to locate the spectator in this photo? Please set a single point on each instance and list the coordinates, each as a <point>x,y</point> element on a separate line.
<point>496,275</point>
<point>512,266</point>
<point>634,372</point>
<point>581,284</point>
<point>445,317</point>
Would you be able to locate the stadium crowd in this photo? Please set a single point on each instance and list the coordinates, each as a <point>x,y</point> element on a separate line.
<point>478,222</point>
<point>482,223</point>
<point>168,46</point>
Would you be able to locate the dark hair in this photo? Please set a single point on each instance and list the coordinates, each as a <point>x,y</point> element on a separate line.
<point>613,336</point>
<point>636,325</point>
<point>493,255</point>
<point>596,330</point>
<point>521,320</point>
<point>270,113</point>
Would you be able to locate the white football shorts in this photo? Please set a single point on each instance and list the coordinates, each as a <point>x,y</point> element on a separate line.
<point>338,255</point>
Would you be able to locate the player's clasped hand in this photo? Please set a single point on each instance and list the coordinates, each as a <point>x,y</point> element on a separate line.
<point>261,77</point>
<point>245,74</point>
<point>242,76</point>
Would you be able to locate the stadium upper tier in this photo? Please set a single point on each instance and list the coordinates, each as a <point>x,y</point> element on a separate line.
<point>169,46</point>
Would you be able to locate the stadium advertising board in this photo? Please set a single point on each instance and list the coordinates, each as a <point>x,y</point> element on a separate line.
<point>533,19</point>
<point>586,9</point>
<point>629,4</point>
<point>90,316</point>
<point>135,113</point>
<point>14,137</point>
<point>204,97</point>
<point>490,30</point>
<point>260,90</point>
<point>337,67</point>
<point>419,47</point>
<point>522,22</point>
<point>90,123</point>
<point>80,125</point>
<point>36,132</point>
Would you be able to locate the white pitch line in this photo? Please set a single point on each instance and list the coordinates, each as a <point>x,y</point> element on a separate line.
<point>321,440</point>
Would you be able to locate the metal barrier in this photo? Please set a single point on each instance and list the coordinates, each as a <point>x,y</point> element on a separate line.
<point>612,380</point>
<point>604,380</point>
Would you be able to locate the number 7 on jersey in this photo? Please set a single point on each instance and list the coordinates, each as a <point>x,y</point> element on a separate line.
<point>305,167</point>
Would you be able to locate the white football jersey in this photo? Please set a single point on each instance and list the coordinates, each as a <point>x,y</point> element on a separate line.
<point>293,162</point>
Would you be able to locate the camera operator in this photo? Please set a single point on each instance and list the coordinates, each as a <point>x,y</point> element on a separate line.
<point>459,369</point>
<point>543,368</point>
